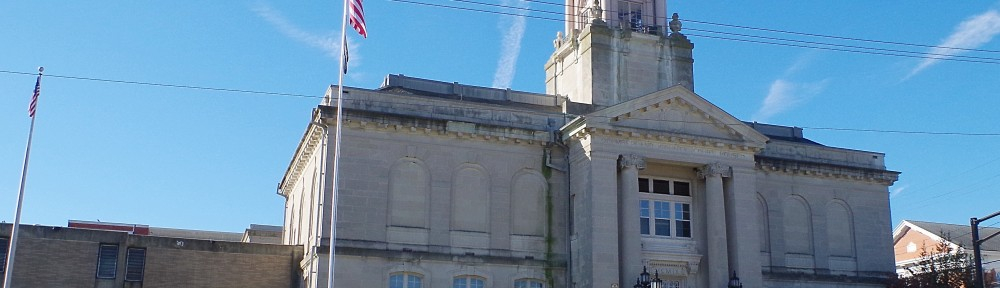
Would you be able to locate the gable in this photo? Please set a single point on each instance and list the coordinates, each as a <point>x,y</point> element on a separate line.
<point>911,243</point>
<point>677,110</point>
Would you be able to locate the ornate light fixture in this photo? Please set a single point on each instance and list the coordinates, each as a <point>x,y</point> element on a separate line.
<point>734,282</point>
<point>644,282</point>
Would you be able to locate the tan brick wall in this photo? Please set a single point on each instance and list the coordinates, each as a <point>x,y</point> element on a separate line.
<point>55,263</point>
<point>186,268</point>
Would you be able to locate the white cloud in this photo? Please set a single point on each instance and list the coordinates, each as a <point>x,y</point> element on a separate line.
<point>896,191</point>
<point>510,48</point>
<point>784,95</point>
<point>971,33</point>
<point>328,43</point>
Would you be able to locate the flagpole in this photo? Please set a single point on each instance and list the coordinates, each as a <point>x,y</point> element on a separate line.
<point>9,266</point>
<point>336,148</point>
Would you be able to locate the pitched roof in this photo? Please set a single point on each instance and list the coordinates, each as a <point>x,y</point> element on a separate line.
<point>958,234</point>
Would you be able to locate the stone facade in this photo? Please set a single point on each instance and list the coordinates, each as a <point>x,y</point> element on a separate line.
<point>69,257</point>
<point>619,166</point>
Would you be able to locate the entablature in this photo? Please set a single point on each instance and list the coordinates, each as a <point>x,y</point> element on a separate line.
<point>661,137</point>
<point>824,170</point>
<point>364,120</point>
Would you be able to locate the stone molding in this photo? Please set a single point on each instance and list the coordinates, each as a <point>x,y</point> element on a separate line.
<point>664,137</point>
<point>715,169</point>
<point>307,148</point>
<point>822,170</point>
<point>451,129</point>
<point>631,160</point>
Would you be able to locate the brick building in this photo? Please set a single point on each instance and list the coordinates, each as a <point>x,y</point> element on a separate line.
<point>124,255</point>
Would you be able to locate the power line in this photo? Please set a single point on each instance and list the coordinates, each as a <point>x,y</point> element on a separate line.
<point>168,85</point>
<point>889,52</point>
<point>847,46</point>
<point>840,37</point>
<point>785,31</point>
<point>181,86</point>
<point>846,50</point>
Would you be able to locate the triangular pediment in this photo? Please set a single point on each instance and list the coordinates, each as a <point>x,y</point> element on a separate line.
<point>677,110</point>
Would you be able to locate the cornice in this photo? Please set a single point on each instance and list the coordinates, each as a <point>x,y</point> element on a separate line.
<point>405,124</point>
<point>305,151</point>
<point>583,132</point>
<point>823,170</point>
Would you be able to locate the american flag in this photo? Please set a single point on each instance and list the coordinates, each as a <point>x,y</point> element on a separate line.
<point>358,17</point>
<point>34,97</point>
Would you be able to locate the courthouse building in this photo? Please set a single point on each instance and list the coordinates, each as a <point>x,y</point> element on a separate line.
<point>619,165</point>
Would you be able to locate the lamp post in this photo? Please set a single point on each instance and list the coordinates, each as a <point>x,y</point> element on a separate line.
<point>644,282</point>
<point>734,282</point>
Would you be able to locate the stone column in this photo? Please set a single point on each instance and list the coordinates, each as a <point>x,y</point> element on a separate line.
<point>630,244</point>
<point>715,212</point>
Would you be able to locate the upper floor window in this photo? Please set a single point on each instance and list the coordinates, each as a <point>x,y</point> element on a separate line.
<point>135,262</point>
<point>107,261</point>
<point>467,281</point>
<point>665,209</point>
<point>405,280</point>
<point>631,13</point>
<point>528,283</point>
<point>665,187</point>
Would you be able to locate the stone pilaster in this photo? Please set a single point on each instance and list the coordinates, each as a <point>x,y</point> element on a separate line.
<point>715,212</point>
<point>630,244</point>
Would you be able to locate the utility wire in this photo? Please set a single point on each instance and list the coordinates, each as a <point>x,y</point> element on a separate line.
<point>167,85</point>
<point>846,46</point>
<point>866,130</point>
<point>786,31</point>
<point>890,52</point>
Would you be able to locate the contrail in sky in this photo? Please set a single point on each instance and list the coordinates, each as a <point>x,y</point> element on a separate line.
<point>329,44</point>
<point>971,33</point>
<point>510,46</point>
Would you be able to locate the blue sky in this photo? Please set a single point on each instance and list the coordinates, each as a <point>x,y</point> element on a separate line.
<point>201,159</point>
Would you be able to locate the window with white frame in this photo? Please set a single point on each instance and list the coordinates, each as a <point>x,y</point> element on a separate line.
<point>528,283</point>
<point>665,208</point>
<point>468,281</point>
<point>630,12</point>
<point>405,280</point>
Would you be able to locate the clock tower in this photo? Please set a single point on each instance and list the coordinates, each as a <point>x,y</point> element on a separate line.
<point>616,50</point>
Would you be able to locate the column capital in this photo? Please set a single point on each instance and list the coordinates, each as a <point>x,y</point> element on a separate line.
<point>715,169</point>
<point>631,160</point>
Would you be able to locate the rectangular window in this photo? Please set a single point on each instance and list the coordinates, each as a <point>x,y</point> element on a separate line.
<point>682,188</point>
<point>135,262</point>
<point>662,215</point>
<point>107,261</point>
<point>665,187</point>
<point>631,13</point>
<point>644,217</point>
<point>661,187</point>
<point>683,219</point>
<point>667,210</point>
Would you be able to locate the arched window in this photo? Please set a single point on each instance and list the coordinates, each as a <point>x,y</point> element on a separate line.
<point>528,204</point>
<point>798,226</point>
<point>405,280</point>
<point>840,232</point>
<point>529,283</point>
<point>409,191</point>
<point>468,281</point>
<point>765,227</point>
<point>470,206</point>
